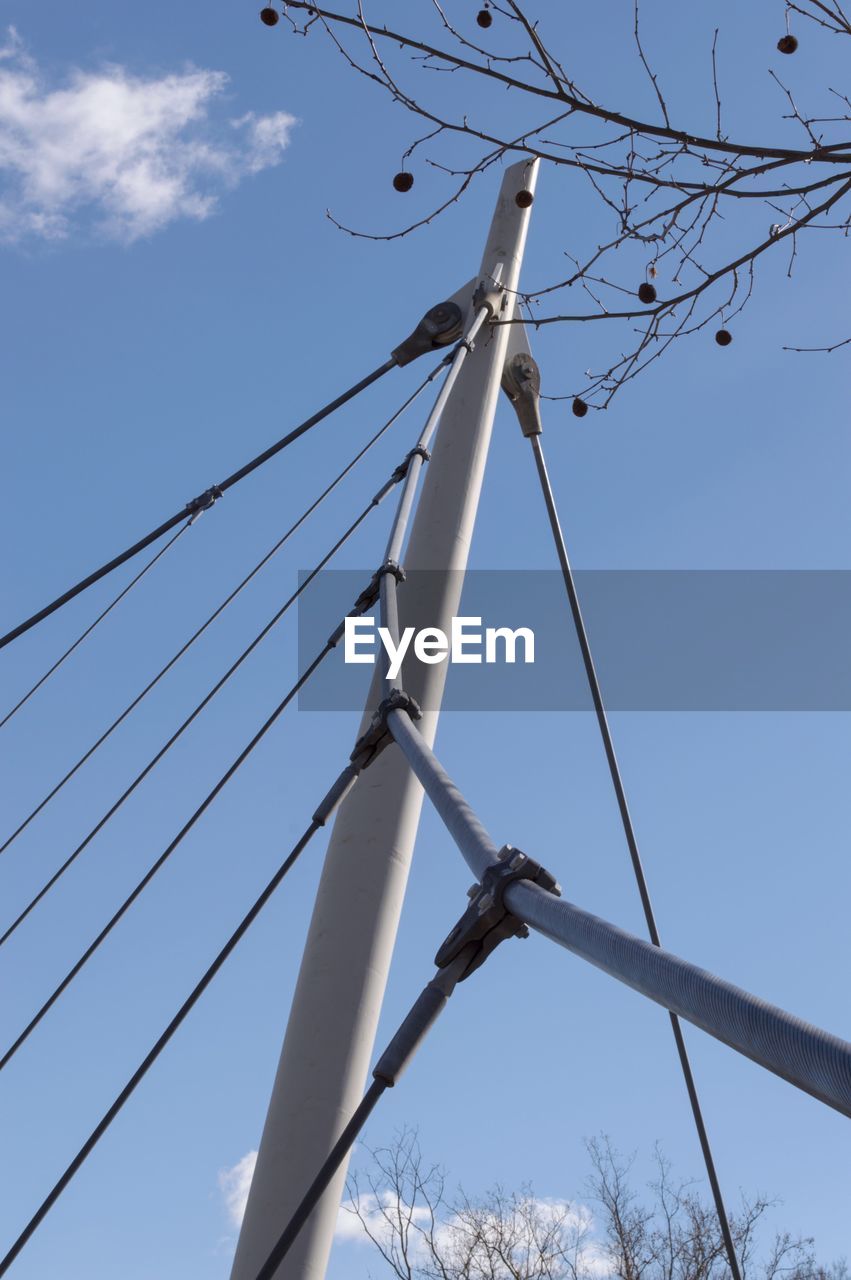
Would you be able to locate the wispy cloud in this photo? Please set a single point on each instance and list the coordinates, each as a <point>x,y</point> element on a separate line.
<point>122,153</point>
<point>374,1217</point>
<point>234,1184</point>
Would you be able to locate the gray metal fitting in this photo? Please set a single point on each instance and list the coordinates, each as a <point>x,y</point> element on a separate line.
<point>488,295</point>
<point>371,743</point>
<point>368,597</point>
<point>393,568</point>
<point>204,501</point>
<point>521,382</point>
<point>439,326</point>
<point>487,921</point>
<point>418,451</point>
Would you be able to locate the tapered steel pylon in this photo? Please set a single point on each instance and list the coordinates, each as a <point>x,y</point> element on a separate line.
<point>337,1001</point>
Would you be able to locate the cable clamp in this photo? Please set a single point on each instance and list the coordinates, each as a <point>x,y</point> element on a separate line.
<point>204,501</point>
<point>487,921</point>
<point>369,596</point>
<point>378,736</point>
<point>405,465</point>
<point>393,568</point>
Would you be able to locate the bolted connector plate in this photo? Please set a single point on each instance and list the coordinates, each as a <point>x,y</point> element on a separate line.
<point>487,921</point>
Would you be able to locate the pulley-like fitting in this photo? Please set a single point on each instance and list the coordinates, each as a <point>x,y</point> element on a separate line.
<point>521,382</point>
<point>439,326</point>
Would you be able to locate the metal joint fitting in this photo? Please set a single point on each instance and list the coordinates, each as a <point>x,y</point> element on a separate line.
<point>488,295</point>
<point>371,743</point>
<point>369,596</point>
<point>521,382</point>
<point>390,566</point>
<point>204,500</point>
<point>439,326</point>
<point>405,465</point>
<point>487,921</point>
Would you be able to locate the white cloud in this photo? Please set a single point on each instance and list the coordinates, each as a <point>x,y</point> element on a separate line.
<point>351,1227</point>
<point>577,1220</point>
<point>234,1184</point>
<point>125,153</point>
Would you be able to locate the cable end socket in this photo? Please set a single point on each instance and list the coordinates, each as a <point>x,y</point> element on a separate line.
<point>521,382</point>
<point>441,325</point>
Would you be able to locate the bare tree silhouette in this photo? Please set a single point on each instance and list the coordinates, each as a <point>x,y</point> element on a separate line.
<point>674,259</point>
<point>423,1233</point>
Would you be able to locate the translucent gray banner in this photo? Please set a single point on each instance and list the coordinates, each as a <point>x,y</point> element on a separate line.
<point>703,640</point>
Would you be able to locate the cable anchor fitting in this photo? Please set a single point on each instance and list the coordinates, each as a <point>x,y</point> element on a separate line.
<point>204,501</point>
<point>521,382</point>
<point>439,326</point>
<point>487,921</point>
<point>371,743</point>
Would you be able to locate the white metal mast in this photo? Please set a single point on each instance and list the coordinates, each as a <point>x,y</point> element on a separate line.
<point>334,1015</point>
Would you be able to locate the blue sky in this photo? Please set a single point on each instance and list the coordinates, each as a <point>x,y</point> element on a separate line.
<point>157,331</point>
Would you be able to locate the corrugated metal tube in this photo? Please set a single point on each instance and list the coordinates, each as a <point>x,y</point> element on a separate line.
<point>812,1059</point>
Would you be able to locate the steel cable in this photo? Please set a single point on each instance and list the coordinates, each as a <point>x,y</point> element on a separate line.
<point>214,615</point>
<point>396,476</point>
<point>423,1014</point>
<point>198,504</point>
<point>90,628</point>
<point>335,795</point>
<point>632,842</point>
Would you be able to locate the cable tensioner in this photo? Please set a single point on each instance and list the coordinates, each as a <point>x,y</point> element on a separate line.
<point>487,921</point>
